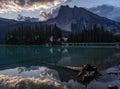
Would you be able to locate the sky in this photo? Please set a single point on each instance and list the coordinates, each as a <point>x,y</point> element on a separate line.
<point>32,8</point>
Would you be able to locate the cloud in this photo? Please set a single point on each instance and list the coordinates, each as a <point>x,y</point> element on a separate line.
<point>50,14</point>
<point>19,5</point>
<point>28,19</point>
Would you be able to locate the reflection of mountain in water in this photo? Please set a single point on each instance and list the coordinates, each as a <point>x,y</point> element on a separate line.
<point>65,61</point>
<point>80,56</point>
<point>14,56</point>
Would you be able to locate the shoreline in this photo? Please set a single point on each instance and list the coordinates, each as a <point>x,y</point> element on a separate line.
<point>75,44</point>
<point>62,46</point>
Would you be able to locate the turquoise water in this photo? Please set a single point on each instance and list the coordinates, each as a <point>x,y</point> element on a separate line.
<point>23,56</point>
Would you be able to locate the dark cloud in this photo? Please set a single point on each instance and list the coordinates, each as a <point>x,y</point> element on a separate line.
<point>20,2</point>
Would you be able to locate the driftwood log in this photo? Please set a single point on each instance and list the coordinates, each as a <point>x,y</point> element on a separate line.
<point>83,75</point>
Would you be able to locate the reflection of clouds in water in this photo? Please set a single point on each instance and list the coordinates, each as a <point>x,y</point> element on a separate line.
<point>103,85</point>
<point>7,82</point>
<point>20,70</point>
<point>49,74</point>
<point>107,79</point>
<point>34,71</point>
<point>46,82</point>
<point>23,69</point>
<point>110,74</point>
<point>65,61</point>
<point>48,79</point>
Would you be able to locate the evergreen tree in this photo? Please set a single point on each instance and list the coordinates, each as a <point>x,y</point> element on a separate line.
<point>57,35</point>
<point>39,34</point>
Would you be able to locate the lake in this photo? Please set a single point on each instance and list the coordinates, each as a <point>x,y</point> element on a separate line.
<point>17,58</point>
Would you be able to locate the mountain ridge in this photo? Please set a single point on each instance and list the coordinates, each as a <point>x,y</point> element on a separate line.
<point>68,16</point>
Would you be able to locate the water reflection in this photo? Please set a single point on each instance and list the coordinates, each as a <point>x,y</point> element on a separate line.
<point>33,71</point>
<point>65,61</point>
<point>14,56</point>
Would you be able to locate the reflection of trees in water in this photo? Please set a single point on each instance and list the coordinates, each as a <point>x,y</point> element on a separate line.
<point>25,55</point>
<point>95,56</point>
<point>65,61</point>
<point>111,61</point>
<point>35,55</point>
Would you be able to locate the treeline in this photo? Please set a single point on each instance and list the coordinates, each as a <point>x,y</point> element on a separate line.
<point>51,34</point>
<point>39,34</point>
<point>95,34</point>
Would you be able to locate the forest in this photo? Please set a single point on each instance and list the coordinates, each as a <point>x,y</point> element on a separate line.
<point>95,34</point>
<point>53,35</point>
<point>39,34</point>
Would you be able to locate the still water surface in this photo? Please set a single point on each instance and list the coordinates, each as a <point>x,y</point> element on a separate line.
<point>30,61</point>
<point>19,56</point>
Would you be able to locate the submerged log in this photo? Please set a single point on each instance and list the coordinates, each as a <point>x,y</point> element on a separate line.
<point>88,70</point>
<point>87,74</point>
<point>83,75</point>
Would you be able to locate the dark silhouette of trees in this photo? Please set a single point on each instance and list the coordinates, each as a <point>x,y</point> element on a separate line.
<point>57,35</point>
<point>51,34</point>
<point>39,34</point>
<point>95,34</point>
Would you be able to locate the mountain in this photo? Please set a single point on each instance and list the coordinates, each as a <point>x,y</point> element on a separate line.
<point>68,16</point>
<point>9,24</point>
<point>68,19</point>
<point>107,11</point>
<point>5,22</point>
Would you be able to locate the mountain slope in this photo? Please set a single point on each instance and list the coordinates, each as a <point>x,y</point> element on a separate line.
<point>107,11</point>
<point>5,22</point>
<point>4,25</point>
<point>68,16</point>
